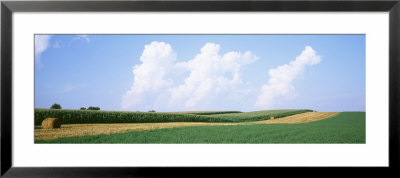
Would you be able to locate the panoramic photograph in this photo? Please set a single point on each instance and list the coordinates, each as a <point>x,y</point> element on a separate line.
<point>200,88</point>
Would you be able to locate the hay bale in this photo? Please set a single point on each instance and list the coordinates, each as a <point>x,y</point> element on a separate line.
<point>51,123</point>
<point>272,118</point>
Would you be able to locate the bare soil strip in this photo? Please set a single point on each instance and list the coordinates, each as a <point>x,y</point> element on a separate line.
<point>70,130</point>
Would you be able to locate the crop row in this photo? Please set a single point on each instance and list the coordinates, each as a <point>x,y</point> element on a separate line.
<point>86,117</point>
<point>93,117</point>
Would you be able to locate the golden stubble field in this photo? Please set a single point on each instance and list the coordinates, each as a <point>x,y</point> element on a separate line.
<point>70,130</point>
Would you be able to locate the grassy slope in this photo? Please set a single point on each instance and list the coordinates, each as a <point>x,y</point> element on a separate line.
<point>347,127</point>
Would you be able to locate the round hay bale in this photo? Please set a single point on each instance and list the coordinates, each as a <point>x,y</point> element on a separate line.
<point>51,123</point>
<point>272,118</point>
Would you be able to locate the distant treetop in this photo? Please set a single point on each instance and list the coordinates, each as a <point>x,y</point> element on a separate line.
<point>93,108</point>
<point>55,106</point>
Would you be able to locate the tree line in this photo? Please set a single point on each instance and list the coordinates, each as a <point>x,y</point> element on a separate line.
<point>58,106</point>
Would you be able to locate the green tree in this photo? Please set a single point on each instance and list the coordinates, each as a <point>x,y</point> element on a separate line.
<point>93,108</point>
<point>83,108</point>
<point>55,106</point>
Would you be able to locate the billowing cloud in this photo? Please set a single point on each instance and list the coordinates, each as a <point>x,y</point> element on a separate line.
<point>209,74</point>
<point>150,76</point>
<point>41,44</point>
<point>280,78</point>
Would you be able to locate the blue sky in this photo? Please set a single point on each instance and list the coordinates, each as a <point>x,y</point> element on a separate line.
<point>201,72</point>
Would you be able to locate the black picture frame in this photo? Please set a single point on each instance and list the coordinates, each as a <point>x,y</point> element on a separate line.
<point>8,7</point>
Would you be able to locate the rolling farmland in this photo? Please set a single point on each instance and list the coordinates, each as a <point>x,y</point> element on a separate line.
<point>209,126</point>
<point>96,129</point>
<point>346,127</point>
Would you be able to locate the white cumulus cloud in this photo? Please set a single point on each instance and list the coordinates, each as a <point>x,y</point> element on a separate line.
<point>150,76</point>
<point>280,78</point>
<point>41,44</point>
<point>205,76</point>
<point>209,73</point>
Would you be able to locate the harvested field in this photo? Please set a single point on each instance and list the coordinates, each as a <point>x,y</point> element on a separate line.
<point>300,118</point>
<point>70,130</point>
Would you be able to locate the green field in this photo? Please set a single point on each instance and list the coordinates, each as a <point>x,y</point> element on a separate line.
<point>347,127</point>
<point>97,117</point>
